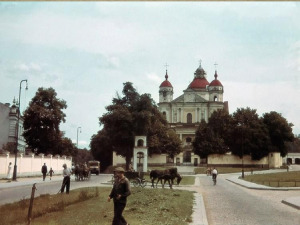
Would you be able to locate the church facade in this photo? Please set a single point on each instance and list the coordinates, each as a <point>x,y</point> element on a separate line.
<point>184,113</point>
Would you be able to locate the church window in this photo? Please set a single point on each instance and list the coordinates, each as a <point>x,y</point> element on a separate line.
<point>164,93</point>
<point>188,140</point>
<point>165,115</point>
<point>215,98</point>
<point>189,118</point>
<point>140,143</point>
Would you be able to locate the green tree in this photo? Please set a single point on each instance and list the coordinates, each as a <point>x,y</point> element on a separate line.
<point>67,147</point>
<point>249,135</point>
<point>133,115</point>
<point>102,148</point>
<point>280,132</point>
<point>41,121</point>
<point>207,142</point>
<point>83,156</point>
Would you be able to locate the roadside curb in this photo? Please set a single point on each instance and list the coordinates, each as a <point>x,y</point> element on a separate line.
<point>290,202</point>
<point>199,212</point>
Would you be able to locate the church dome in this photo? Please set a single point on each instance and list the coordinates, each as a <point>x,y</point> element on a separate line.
<point>166,83</point>
<point>215,82</point>
<point>198,83</point>
<point>199,79</point>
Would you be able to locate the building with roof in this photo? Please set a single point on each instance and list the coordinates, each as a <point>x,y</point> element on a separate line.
<point>8,125</point>
<point>184,113</point>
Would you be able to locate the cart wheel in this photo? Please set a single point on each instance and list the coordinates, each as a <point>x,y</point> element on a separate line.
<point>143,183</point>
<point>135,183</point>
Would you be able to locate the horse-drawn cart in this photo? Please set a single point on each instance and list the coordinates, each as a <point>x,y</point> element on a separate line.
<point>136,178</point>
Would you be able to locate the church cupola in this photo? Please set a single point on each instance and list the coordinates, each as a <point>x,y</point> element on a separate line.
<point>199,81</point>
<point>166,90</point>
<point>216,89</point>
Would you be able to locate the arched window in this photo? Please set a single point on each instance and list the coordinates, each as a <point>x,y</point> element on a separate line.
<point>188,140</point>
<point>215,99</point>
<point>140,143</point>
<point>165,114</point>
<point>189,118</point>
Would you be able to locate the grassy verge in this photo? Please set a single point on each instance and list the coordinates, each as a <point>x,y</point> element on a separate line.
<point>283,179</point>
<point>89,206</point>
<point>186,180</point>
<point>223,170</point>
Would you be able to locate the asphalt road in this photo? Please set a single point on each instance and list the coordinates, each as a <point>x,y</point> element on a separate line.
<point>230,204</point>
<point>16,193</point>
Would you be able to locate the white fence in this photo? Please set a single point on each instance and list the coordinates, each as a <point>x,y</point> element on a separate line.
<point>30,165</point>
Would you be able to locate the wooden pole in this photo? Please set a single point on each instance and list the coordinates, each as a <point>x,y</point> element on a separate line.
<point>31,203</point>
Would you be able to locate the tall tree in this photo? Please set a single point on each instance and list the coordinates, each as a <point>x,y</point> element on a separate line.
<point>249,135</point>
<point>132,115</point>
<point>207,142</point>
<point>102,148</point>
<point>280,132</point>
<point>41,121</point>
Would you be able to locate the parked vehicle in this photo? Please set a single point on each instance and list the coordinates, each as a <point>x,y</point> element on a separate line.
<point>94,167</point>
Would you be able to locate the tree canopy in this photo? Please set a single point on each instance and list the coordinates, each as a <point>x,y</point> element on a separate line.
<point>243,133</point>
<point>129,116</point>
<point>41,122</point>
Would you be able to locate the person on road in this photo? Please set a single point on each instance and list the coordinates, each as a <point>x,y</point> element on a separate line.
<point>9,171</point>
<point>119,194</point>
<point>44,171</point>
<point>51,172</point>
<point>66,180</point>
<point>214,174</point>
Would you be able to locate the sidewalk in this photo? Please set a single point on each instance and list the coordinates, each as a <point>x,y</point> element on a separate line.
<point>292,201</point>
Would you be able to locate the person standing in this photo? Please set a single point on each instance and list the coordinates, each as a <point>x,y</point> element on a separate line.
<point>66,180</point>
<point>44,171</point>
<point>51,172</point>
<point>119,194</point>
<point>9,171</point>
<point>214,175</point>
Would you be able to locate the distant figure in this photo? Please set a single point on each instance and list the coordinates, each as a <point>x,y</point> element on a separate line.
<point>51,172</point>
<point>66,180</point>
<point>9,171</point>
<point>44,171</point>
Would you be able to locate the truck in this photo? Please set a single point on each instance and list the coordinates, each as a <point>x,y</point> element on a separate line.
<point>94,167</point>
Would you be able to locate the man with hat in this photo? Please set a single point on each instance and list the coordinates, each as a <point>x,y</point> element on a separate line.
<point>119,193</point>
<point>66,180</point>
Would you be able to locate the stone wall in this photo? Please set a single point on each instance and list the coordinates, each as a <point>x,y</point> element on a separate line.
<point>30,165</point>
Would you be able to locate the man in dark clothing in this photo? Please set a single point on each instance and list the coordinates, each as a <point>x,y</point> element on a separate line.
<point>44,171</point>
<point>119,193</point>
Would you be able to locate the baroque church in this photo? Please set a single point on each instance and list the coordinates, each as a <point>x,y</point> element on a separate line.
<point>184,113</point>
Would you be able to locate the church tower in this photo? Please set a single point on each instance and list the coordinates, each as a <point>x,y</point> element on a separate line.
<point>216,90</point>
<point>165,90</point>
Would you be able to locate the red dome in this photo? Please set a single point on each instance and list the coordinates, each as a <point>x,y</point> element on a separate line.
<point>199,83</point>
<point>215,83</point>
<point>166,83</point>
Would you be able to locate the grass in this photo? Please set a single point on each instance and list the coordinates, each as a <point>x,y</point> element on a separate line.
<point>223,170</point>
<point>89,206</point>
<point>283,179</point>
<point>186,180</point>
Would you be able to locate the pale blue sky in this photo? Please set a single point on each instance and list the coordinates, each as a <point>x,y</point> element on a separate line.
<point>87,50</point>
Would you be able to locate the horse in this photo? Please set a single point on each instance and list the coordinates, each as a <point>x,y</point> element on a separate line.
<point>166,175</point>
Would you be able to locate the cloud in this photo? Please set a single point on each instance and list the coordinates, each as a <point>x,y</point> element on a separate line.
<point>154,77</point>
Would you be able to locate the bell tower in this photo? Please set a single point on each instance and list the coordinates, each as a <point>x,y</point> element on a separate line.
<point>165,90</point>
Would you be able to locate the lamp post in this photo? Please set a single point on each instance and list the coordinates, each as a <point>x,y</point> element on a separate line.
<point>78,128</point>
<point>17,132</point>
<point>242,134</point>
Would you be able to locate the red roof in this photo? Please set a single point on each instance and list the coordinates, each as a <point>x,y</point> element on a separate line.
<point>215,83</point>
<point>199,83</point>
<point>166,83</point>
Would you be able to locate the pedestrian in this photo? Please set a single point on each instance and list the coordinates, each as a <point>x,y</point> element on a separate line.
<point>119,194</point>
<point>51,172</point>
<point>66,180</point>
<point>44,171</point>
<point>9,171</point>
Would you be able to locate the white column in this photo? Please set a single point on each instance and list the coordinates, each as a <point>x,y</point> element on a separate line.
<point>145,165</point>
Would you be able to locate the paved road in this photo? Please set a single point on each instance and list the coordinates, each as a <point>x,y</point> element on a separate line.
<point>230,204</point>
<point>14,192</point>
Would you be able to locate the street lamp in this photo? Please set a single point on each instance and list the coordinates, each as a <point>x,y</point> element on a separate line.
<point>78,128</point>
<point>17,132</point>
<point>241,126</point>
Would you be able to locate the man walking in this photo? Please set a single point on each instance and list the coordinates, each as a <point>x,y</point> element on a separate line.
<point>66,180</point>
<point>119,193</point>
<point>44,171</point>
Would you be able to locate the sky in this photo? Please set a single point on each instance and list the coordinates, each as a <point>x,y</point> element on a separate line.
<point>87,50</point>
